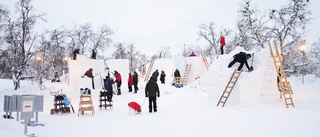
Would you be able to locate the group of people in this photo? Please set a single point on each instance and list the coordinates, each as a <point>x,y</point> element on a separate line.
<point>77,51</point>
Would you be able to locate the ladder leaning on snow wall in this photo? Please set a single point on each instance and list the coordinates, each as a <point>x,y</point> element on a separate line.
<point>227,91</point>
<point>149,69</point>
<point>283,84</point>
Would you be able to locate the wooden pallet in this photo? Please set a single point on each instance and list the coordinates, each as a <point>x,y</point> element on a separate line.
<point>186,74</point>
<point>85,104</point>
<point>227,91</point>
<point>283,84</point>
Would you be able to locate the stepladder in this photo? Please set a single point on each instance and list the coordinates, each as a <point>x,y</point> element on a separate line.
<point>282,82</point>
<point>186,74</point>
<point>227,91</point>
<point>85,104</point>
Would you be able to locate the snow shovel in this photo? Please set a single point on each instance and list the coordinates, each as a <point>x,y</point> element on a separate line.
<point>251,68</point>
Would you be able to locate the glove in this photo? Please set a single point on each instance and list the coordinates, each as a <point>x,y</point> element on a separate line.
<point>146,96</point>
<point>158,95</point>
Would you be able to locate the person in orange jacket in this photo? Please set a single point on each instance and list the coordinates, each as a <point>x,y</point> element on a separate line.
<point>222,43</point>
<point>130,82</point>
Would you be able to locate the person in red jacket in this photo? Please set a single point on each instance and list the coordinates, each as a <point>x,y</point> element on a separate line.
<point>135,107</point>
<point>130,82</point>
<point>118,81</point>
<point>222,43</point>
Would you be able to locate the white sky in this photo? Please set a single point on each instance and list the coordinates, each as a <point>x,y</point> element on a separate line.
<point>152,24</point>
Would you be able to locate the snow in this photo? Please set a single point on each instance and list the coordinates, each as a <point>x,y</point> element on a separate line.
<point>254,107</point>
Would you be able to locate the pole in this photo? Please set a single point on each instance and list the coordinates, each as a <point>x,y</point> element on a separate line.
<point>303,69</point>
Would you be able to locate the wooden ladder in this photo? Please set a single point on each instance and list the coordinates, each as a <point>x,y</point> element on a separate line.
<point>186,74</point>
<point>204,58</point>
<point>283,84</point>
<point>227,91</point>
<point>85,104</point>
<point>149,69</point>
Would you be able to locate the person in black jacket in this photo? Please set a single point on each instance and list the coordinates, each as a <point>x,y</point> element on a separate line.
<point>152,91</point>
<point>162,77</point>
<point>177,73</point>
<point>109,89</point>
<point>242,59</point>
<point>135,81</point>
<point>75,52</point>
<point>155,74</point>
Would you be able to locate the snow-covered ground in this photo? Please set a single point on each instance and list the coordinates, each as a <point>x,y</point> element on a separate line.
<point>253,109</point>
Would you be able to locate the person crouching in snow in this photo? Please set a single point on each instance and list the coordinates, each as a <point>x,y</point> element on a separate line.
<point>242,59</point>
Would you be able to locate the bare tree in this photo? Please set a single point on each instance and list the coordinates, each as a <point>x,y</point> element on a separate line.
<point>289,23</point>
<point>81,36</point>
<point>20,39</point>
<point>164,53</point>
<point>314,58</point>
<point>207,31</point>
<point>120,52</point>
<point>130,53</point>
<point>101,39</point>
<point>251,27</point>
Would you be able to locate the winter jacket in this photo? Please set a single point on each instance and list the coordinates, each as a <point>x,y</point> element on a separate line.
<point>162,76</point>
<point>135,78</point>
<point>152,88</point>
<point>109,86</point>
<point>177,73</point>
<point>135,106</point>
<point>192,54</point>
<point>130,80</point>
<point>118,79</point>
<point>222,41</point>
<point>88,73</point>
<point>242,58</point>
<point>155,74</point>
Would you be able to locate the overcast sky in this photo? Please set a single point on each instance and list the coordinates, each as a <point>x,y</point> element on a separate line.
<point>152,24</point>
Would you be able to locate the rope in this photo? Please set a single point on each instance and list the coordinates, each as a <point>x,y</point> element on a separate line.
<point>143,101</point>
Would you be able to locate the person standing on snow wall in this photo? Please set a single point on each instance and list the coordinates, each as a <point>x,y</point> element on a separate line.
<point>222,43</point>
<point>152,91</point>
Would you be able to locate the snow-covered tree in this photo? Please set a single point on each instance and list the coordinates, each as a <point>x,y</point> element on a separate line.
<point>120,51</point>
<point>251,27</point>
<point>19,38</point>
